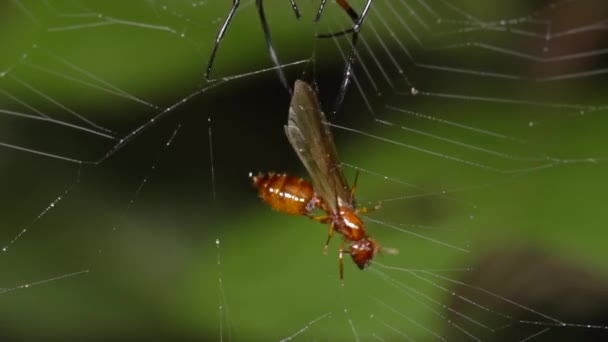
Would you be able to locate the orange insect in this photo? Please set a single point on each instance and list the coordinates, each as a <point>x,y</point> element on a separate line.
<point>287,194</point>
<point>309,134</point>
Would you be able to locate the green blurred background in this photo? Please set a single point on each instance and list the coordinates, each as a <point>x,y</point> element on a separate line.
<point>155,270</point>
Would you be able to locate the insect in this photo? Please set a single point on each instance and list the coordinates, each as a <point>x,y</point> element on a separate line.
<point>357,23</point>
<point>311,138</point>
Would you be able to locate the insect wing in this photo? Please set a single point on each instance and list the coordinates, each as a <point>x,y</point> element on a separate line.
<point>311,138</point>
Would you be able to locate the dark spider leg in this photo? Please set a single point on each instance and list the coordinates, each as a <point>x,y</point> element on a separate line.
<point>345,6</point>
<point>337,34</point>
<point>348,69</point>
<point>349,10</point>
<point>273,54</point>
<point>224,28</point>
<point>357,22</point>
<point>320,10</point>
<point>295,9</point>
<point>220,36</point>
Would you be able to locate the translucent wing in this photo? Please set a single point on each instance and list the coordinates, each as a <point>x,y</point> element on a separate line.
<point>311,138</point>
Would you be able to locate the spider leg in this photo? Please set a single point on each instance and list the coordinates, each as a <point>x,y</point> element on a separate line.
<point>295,8</point>
<point>320,10</point>
<point>354,30</point>
<point>220,36</point>
<point>348,68</point>
<point>336,34</point>
<point>349,10</point>
<point>267,36</point>
<point>345,6</point>
<point>224,28</point>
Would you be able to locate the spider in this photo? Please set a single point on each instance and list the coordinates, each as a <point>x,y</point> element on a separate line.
<point>357,22</point>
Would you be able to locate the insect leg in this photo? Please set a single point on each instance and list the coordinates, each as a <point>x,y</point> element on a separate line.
<point>220,36</point>
<point>353,189</point>
<point>341,252</point>
<point>366,210</point>
<point>320,218</point>
<point>332,227</point>
<point>341,262</point>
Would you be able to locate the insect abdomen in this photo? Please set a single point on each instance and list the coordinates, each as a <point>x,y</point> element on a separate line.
<point>287,194</point>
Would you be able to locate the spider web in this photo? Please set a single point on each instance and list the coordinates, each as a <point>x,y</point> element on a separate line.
<point>478,128</point>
